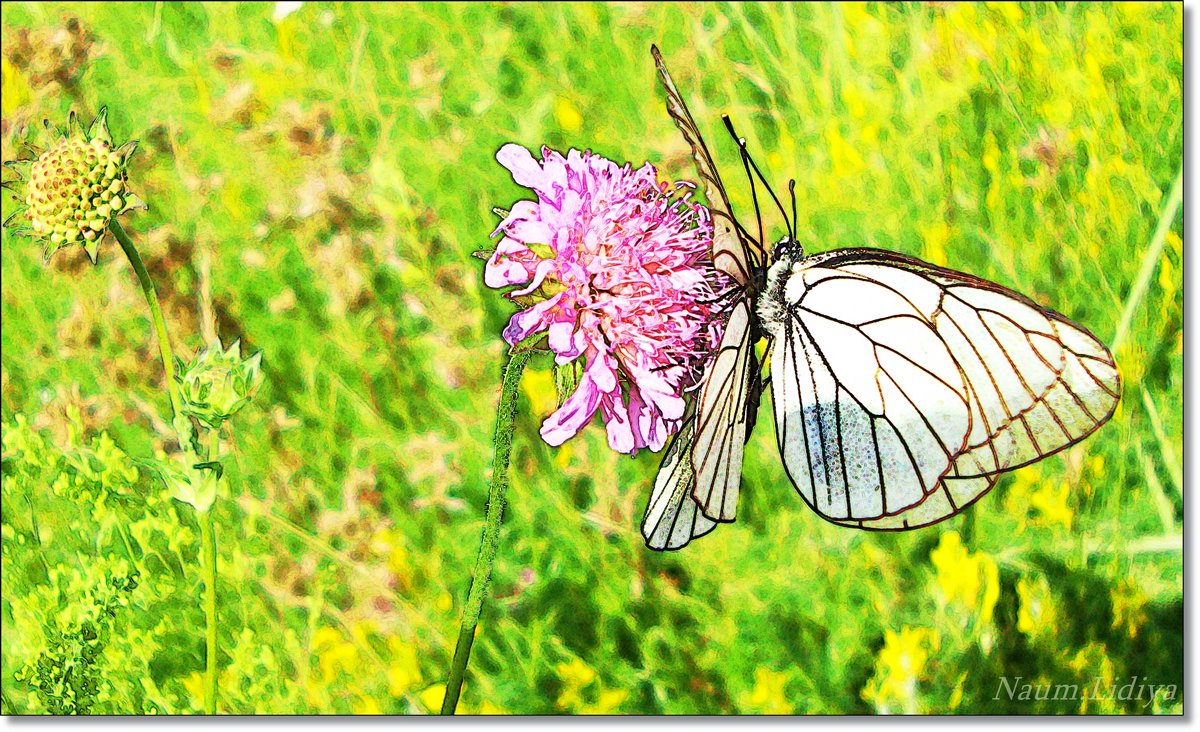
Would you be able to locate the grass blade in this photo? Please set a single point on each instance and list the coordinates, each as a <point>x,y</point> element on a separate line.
<point>1141,285</point>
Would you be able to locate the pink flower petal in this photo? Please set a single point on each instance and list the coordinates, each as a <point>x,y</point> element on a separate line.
<point>564,341</point>
<point>543,268</point>
<point>648,425</point>
<point>616,424</point>
<point>659,393</point>
<point>520,211</point>
<point>509,264</point>
<point>602,371</point>
<point>573,415</point>
<point>525,170</point>
<point>530,232</point>
<point>527,322</point>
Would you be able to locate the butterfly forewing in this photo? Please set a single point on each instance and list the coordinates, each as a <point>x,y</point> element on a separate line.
<point>870,408</point>
<point>722,418</point>
<point>731,252</point>
<point>901,389</point>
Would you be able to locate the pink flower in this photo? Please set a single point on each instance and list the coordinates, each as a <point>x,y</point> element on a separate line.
<point>616,270</point>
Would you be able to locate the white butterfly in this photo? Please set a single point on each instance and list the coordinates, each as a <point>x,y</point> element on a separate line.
<point>901,390</point>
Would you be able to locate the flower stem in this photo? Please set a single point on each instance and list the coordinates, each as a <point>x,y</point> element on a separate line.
<point>156,315</point>
<point>208,541</point>
<point>502,442</point>
<point>208,535</point>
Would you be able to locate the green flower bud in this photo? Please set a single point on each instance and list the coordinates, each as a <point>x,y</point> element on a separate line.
<point>218,383</point>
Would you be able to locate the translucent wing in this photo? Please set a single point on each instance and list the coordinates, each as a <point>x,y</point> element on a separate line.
<point>731,251</point>
<point>724,412</point>
<point>672,517</point>
<point>902,389</point>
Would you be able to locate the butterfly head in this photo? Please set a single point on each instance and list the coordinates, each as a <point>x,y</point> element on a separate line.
<point>788,248</point>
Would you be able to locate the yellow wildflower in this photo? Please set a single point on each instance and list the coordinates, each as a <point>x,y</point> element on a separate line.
<point>404,671</point>
<point>333,653</point>
<point>972,579</point>
<point>431,698</point>
<point>566,115</point>
<point>846,160</point>
<point>957,574</point>
<point>768,695</point>
<point>194,684</point>
<point>936,237</point>
<point>956,696</point>
<point>1092,663</point>
<point>575,675</point>
<point>856,101</point>
<point>538,385</point>
<point>366,705</point>
<point>991,163</point>
<point>991,589</point>
<point>1129,607</point>
<point>14,91</point>
<point>900,664</point>
<point>1051,502</point>
<point>1037,614</point>
<point>608,702</point>
<point>389,543</point>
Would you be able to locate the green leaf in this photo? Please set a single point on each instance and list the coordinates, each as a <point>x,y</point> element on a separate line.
<point>535,342</point>
<point>99,128</point>
<point>567,378</point>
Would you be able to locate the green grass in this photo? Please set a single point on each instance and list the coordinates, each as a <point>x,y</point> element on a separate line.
<point>316,187</point>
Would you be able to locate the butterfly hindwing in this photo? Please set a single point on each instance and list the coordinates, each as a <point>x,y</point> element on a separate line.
<point>673,517</point>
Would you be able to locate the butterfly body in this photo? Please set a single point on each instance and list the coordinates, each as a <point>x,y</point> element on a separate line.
<point>773,300</point>
<point>901,390</point>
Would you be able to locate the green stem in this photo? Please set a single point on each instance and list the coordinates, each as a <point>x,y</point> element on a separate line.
<point>502,442</point>
<point>208,535</point>
<point>156,315</point>
<point>1150,262</point>
<point>128,546</point>
<point>208,541</point>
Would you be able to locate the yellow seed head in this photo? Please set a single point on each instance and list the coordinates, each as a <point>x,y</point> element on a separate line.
<point>73,187</point>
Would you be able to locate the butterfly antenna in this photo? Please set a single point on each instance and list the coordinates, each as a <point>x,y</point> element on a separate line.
<point>749,176</point>
<point>750,160</point>
<point>795,218</point>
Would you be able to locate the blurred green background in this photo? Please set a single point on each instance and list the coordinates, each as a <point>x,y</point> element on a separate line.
<point>317,181</point>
